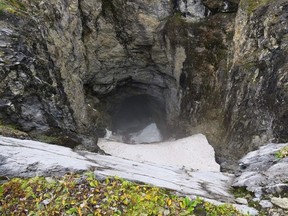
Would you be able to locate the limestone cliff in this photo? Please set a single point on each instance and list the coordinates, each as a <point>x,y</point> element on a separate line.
<point>216,67</point>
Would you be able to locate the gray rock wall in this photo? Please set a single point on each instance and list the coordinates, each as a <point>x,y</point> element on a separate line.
<point>256,101</point>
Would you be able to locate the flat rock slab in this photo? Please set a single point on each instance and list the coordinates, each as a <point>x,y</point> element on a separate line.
<point>28,158</point>
<point>192,152</point>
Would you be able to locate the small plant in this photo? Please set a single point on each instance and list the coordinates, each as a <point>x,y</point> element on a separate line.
<point>242,192</point>
<point>282,153</point>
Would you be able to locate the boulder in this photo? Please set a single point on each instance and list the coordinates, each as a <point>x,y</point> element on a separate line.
<point>260,171</point>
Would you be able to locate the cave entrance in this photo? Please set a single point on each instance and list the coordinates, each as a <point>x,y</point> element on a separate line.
<point>139,119</point>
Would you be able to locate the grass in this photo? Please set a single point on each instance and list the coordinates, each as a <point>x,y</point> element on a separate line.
<point>75,194</point>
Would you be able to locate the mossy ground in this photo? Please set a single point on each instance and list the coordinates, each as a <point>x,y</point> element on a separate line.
<point>76,194</point>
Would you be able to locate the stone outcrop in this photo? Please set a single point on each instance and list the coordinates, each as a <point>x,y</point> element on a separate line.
<point>215,67</point>
<point>262,172</point>
<point>256,100</point>
<point>265,175</point>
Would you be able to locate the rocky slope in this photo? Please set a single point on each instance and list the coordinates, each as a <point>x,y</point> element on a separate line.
<point>216,67</point>
<point>260,171</point>
<point>28,158</point>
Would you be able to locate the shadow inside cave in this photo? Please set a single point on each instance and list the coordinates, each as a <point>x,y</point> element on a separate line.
<point>139,116</point>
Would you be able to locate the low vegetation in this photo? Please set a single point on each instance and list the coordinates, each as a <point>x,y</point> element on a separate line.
<point>76,194</point>
<point>282,153</point>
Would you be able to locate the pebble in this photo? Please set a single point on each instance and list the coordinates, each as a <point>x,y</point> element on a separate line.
<point>265,204</point>
<point>242,201</point>
<point>281,202</point>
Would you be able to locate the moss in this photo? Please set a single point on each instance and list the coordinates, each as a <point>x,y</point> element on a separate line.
<point>11,131</point>
<point>46,139</point>
<point>251,5</point>
<point>242,193</point>
<point>4,7</point>
<point>57,138</point>
<point>12,7</point>
<point>282,153</point>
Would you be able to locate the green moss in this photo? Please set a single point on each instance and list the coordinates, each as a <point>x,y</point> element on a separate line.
<point>242,193</point>
<point>84,195</point>
<point>11,131</point>
<point>4,6</point>
<point>57,138</point>
<point>251,5</point>
<point>11,6</point>
<point>282,153</point>
<point>47,139</point>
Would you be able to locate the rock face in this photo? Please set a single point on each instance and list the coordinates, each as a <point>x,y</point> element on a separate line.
<point>256,100</point>
<point>214,67</point>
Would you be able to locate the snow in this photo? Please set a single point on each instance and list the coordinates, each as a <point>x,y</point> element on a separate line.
<point>192,152</point>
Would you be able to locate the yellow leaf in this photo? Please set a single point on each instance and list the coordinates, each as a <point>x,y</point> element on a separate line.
<point>79,211</point>
<point>148,197</point>
<point>126,202</point>
<point>169,202</point>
